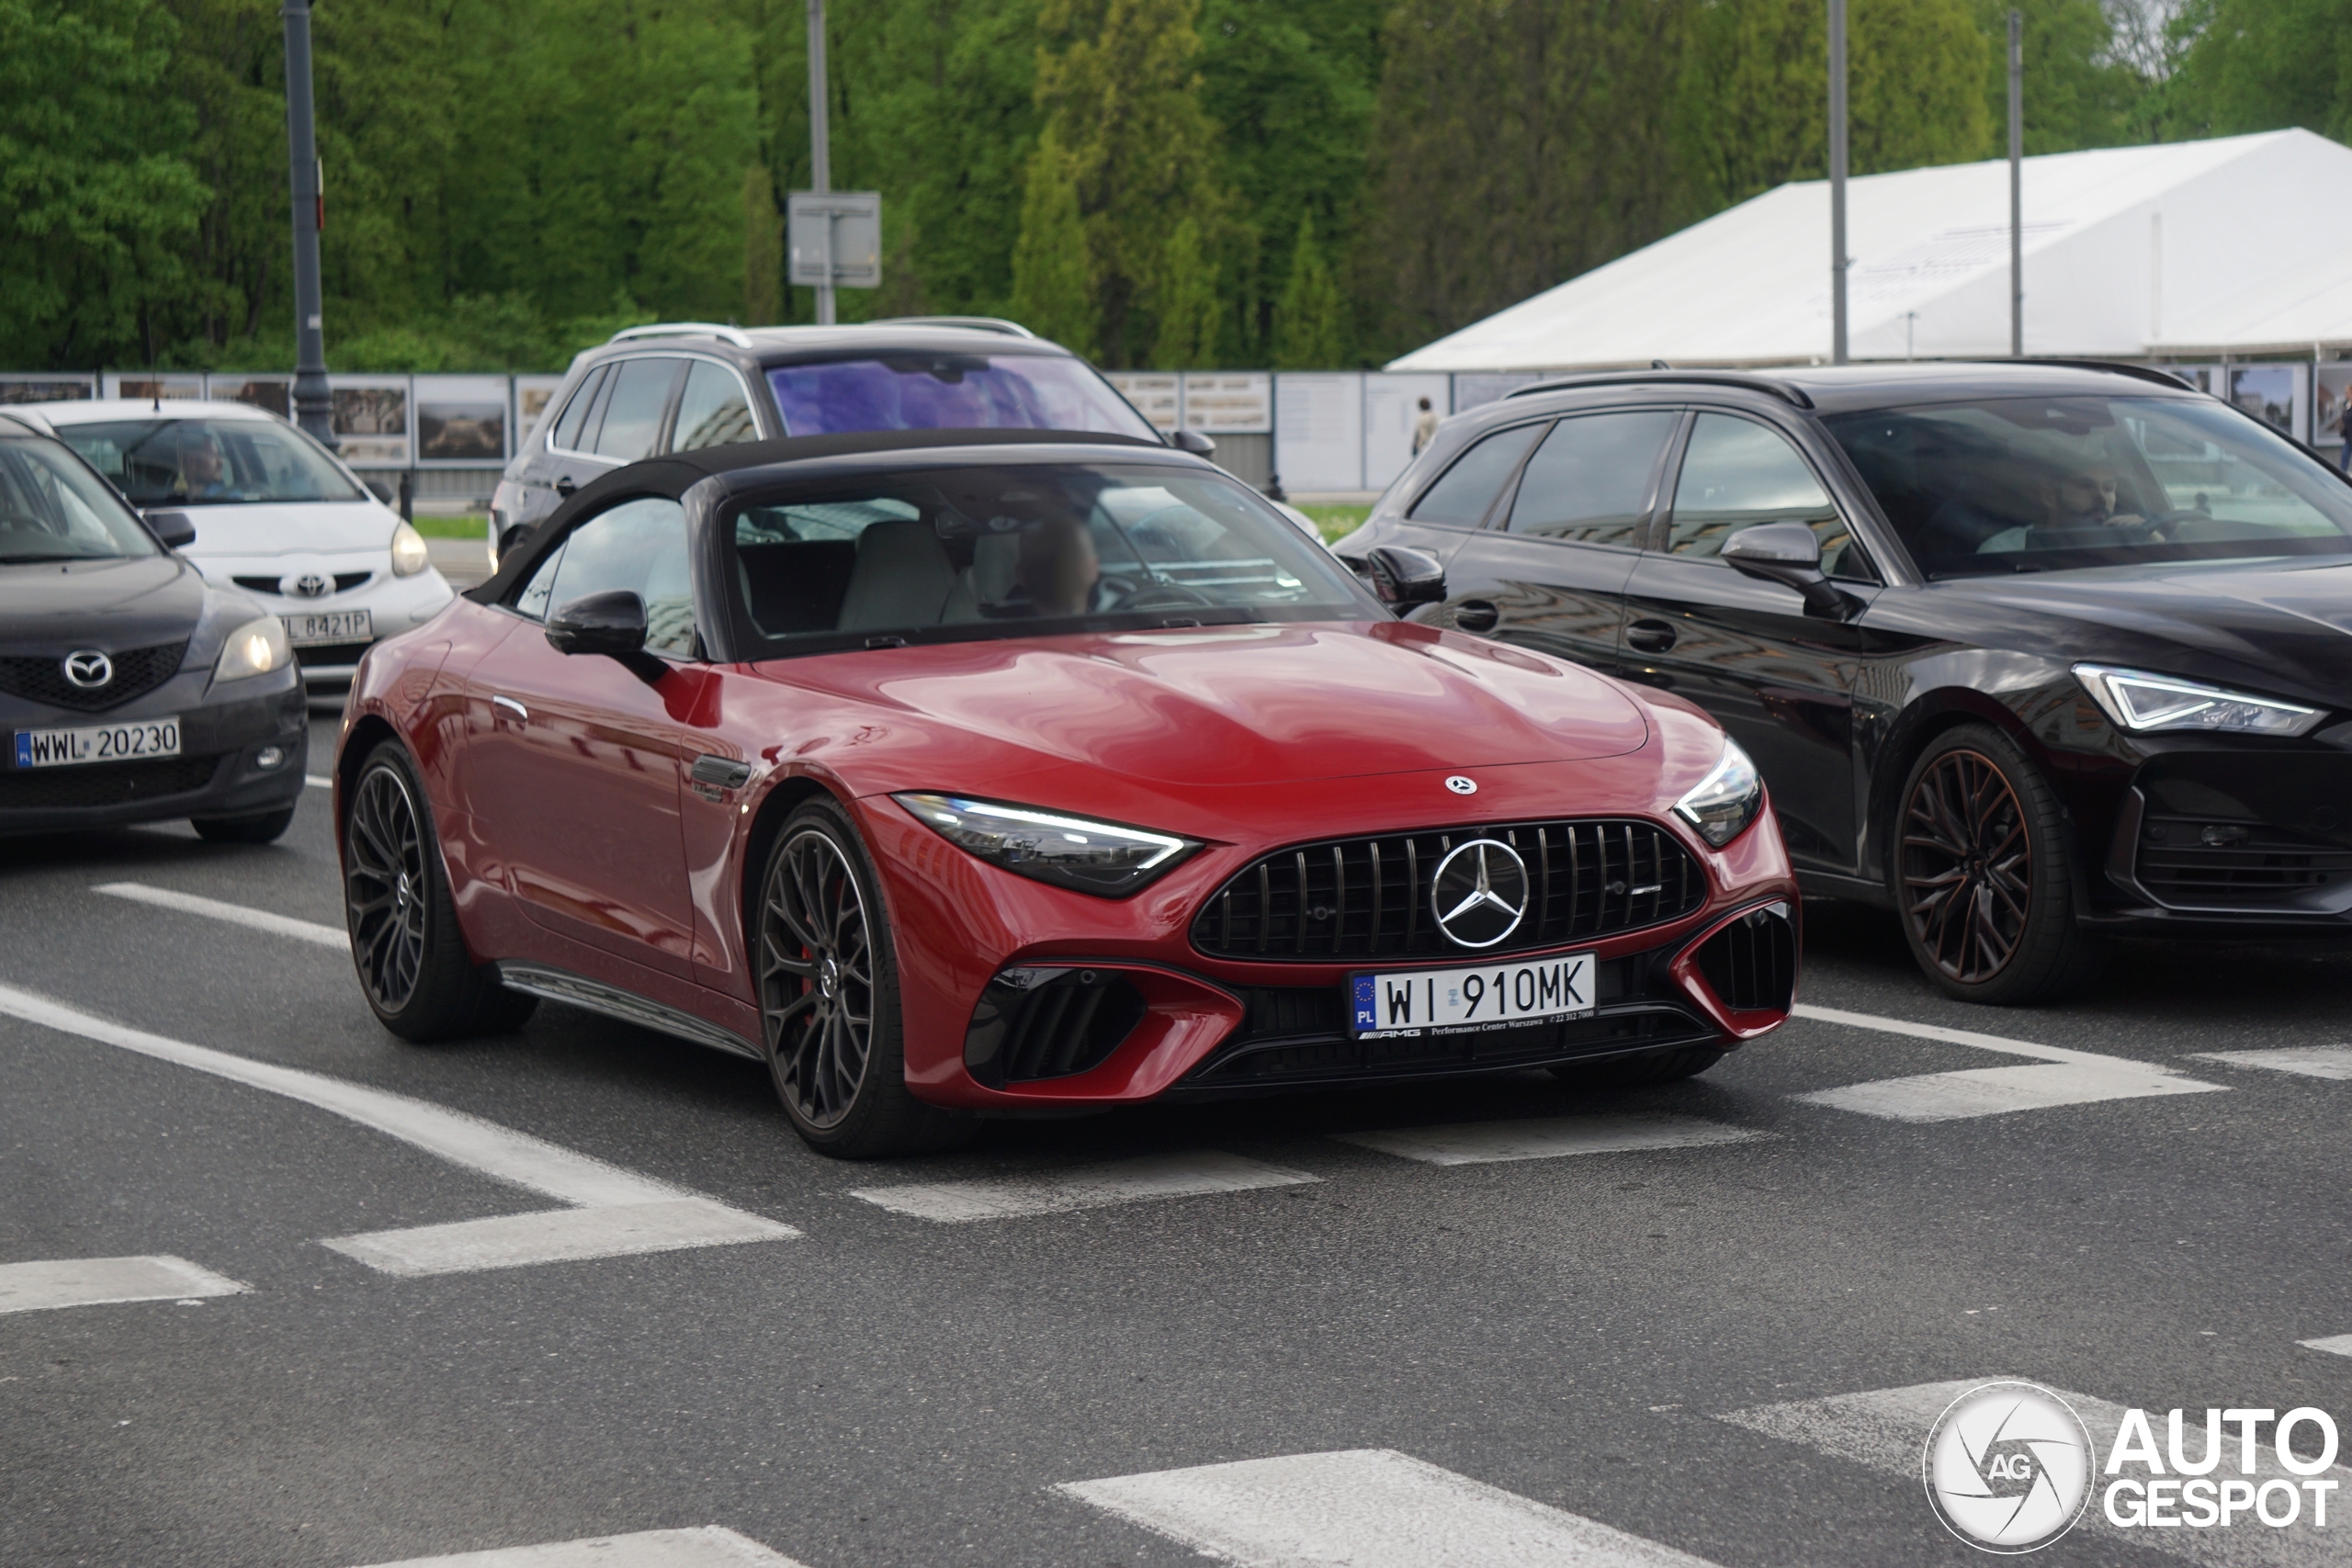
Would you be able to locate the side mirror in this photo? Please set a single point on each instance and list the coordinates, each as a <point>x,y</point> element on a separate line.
<point>611,624</point>
<point>1401,576</point>
<point>1789,554</point>
<point>511,536</point>
<point>1192,441</point>
<point>172,529</point>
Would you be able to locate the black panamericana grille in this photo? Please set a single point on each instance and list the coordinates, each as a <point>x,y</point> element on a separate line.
<point>1361,898</point>
<point>103,784</point>
<point>137,672</point>
<point>2195,862</point>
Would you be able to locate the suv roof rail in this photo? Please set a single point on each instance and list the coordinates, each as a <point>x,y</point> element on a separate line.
<point>1788,392</point>
<point>2141,372</point>
<point>683,329</point>
<point>978,323</point>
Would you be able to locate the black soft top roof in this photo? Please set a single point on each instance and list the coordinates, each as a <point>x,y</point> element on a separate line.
<point>675,474</point>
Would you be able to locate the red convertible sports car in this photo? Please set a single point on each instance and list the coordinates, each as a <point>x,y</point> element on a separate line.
<point>966,773</point>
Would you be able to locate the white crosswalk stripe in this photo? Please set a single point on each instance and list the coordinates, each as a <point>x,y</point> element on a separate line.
<point>2071,1077</point>
<point>234,914</point>
<point>1549,1137</point>
<point>500,1153</point>
<point>1886,1429</point>
<point>2309,1061</point>
<point>99,1281</point>
<point>315,782</point>
<point>2334,1344</point>
<point>709,1547</point>
<point>1152,1178</point>
<point>1364,1509</point>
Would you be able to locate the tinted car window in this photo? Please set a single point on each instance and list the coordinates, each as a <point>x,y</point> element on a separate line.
<point>712,411</point>
<point>50,509</point>
<point>1738,473</point>
<point>204,462</point>
<point>537,592</point>
<point>575,413</point>
<point>950,392</point>
<point>633,412</point>
<point>639,546</point>
<point>2027,484</point>
<point>1470,486</point>
<point>1590,482</point>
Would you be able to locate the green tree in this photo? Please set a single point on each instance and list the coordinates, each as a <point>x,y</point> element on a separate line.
<point>1053,277</point>
<point>2248,65</point>
<point>1184,299</point>
<point>2078,91</point>
<point>763,250</point>
<point>1309,322</point>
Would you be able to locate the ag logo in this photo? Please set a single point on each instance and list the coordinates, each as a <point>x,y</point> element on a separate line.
<point>2008,1467</point>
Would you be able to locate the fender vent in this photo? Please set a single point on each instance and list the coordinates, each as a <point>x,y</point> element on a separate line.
<point>1035,1023</point>
<point>1751,964</point>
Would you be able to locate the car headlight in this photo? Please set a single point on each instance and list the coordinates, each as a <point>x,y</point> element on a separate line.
<point>409,554</point>
<point>2139,701</point>
<point>1068,852</point>
<point>254,649</point>
<point>1727,800</point>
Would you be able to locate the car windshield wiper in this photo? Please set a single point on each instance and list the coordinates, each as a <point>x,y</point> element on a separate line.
<point>28,560</point>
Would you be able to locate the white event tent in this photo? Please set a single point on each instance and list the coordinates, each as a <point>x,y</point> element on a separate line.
<point>2237,246</point>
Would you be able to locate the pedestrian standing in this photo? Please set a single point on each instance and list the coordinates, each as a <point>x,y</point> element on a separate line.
<point>1424,426</point>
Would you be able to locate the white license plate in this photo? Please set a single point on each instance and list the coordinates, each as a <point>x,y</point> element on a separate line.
<point>334,626</point>
<point>98,743</point>
<point>1420,1001</point>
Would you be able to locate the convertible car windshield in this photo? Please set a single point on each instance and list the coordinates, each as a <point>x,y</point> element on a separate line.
<point>207,462</point>
<point>2033,484</point>
<point>1009,548</point>
<point>950,392</point>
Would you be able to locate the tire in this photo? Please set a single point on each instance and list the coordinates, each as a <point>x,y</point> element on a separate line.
<point>410,957</point>
<point>1670,1065</point>
<point>262,828</point>
<point>829,997</point>
<point>1983,874</point>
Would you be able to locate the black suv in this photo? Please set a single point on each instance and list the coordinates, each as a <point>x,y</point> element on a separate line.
<point>2031,653</point>
<point>686,385</point>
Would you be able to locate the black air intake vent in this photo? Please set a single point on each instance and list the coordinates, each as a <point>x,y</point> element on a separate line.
<point>1751,964</point>
<point>137,672</point>
<point>1035,1023</point>
<point>1365,898</point>
<point>2194,864</point>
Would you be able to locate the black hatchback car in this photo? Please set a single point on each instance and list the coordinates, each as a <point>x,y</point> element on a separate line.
<point>2028,653</point>
<point>131,690</point>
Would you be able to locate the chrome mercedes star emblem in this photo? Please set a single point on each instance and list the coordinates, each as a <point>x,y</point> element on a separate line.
<point>1461,786</point>
<point>1479,894</point>
<point>88,669</point>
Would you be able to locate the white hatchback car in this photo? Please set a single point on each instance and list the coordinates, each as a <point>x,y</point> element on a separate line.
<point>274,511</point>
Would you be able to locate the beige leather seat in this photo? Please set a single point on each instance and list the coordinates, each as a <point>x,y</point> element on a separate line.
<point>901,577</point>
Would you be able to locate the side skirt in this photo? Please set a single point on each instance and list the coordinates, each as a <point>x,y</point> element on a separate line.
<point>561,986</point>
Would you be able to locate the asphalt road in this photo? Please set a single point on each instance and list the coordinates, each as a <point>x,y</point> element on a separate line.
<point>1592,1331</point>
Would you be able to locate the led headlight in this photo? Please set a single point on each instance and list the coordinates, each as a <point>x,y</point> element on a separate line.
<point>254,649</point>
<point>1727,800</point>
<point>2137,700</point>
<point>1069,852</point>
<point>409,554</point>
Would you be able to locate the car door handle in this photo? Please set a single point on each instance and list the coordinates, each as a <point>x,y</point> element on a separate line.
<point>1649,636</point>
<point>522,714</point>
<point>564,487</point>
<point>1477,615</point>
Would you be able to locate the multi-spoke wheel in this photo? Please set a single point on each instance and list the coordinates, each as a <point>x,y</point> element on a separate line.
<point>413,968</point>
<point>1983,873</point>
<point>828,996</point>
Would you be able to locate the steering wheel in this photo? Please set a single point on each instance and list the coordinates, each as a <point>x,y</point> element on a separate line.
<point>2160,526</point>
<point>1151,595</point>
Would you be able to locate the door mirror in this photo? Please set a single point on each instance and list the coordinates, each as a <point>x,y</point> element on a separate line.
<point>172,529</point>
<point>1401,576</point>
<point>1789,554</point>
<point>1192,441</point>
<point>611,624</point>
<point>511,536</point>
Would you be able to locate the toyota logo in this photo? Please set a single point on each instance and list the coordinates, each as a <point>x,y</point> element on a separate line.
<point>89,669</point>
<point>1479,894</point>
<point>309,585</point>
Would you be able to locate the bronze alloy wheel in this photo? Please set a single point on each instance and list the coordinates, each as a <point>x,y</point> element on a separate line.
<point>1967,866</point>
<point>385,888</point>
<point>816,979</point>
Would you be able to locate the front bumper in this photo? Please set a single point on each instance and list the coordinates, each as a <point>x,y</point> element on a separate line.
<point>394,604</point>
<point>220,770</point>
<point>2236,841</point>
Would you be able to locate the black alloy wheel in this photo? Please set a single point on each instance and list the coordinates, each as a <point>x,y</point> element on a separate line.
<point>412,959</point>
<point>829,997</point>
<point>1984,873</point>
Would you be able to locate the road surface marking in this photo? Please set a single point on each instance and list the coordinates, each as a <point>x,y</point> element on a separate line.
<point>497,1151</point>
<point>2335,1345</point>
<point>315,782</point>
<point>1083,1187</point>
<point>2311,1061</point>
<point>1886,1429</point>
<point>1365,1508</point>
<point>561,1234</point>
<point>1547,1137</point>
<point>709,1547</point>
<point>95,1281</point>
<point>2072,1078</point>
<point>235,914</point>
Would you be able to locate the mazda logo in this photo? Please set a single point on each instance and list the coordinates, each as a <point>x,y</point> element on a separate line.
<point>1479,894</point>
<point>88,670</point>
<point>309,585</point>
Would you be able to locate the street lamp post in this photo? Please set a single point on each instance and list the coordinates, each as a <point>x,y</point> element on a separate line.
<point>820,172</point>
<point>313,408</point>
<point>1838,355</point>
<point>2016,185</point>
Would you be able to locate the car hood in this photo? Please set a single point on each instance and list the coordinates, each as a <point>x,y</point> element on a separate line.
<point>110,605</point>
<point>2280,626</point>
<point>288,528</point>
<point>1248,704</point>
